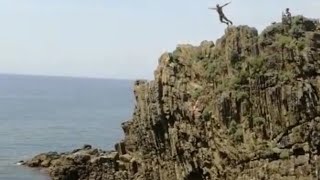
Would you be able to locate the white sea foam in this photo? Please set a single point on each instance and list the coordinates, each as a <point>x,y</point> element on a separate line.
<point>19,163</point>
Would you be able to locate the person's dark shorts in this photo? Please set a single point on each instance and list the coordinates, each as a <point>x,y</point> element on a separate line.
<point>222,17</point>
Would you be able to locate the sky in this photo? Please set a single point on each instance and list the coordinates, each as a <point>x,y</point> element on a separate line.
<point>118,39</point>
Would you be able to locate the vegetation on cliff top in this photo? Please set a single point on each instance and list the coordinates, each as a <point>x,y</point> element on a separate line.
<point>242,60</point>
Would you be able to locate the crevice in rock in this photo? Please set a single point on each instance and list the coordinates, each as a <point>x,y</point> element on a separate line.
<point>195,175</point>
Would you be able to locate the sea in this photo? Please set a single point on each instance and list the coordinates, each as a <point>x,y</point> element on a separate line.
<point>41,114</point>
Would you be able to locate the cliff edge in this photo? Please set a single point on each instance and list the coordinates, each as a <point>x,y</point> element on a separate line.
<point>245,107</point>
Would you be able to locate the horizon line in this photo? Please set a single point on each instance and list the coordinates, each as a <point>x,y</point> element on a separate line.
<point>67,76</point>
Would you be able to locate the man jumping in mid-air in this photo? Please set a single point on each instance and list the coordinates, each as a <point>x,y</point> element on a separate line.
<point>222,17</point>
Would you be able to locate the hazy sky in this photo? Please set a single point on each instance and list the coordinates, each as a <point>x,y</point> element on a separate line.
<point>119,38</point>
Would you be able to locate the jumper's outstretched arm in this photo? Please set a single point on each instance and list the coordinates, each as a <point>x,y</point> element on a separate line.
<point>212,8</point>
<point>226,4</point>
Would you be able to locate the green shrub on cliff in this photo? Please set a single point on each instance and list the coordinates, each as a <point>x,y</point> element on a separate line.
<point>236,132</point>
<point>211,68</point>
<point>283,41</point>
<point>196,93</point>
<point>232,127</point>
<point>289,42</point>
<point>207,113</point>
<point>256,66</point>
<point>241,95</point>
<point>238,135</point>
<point>258,121</point>
<point>235,60</point>
<point>244,77</point>
<point>300,44</point>
<point>286,76</point>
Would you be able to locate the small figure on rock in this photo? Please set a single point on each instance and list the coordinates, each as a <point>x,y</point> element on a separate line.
<point>286,17</point>
<point>222,17</point>
<point>288,13</point>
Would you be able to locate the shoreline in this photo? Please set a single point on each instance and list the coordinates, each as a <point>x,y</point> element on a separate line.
<point>84,159</point>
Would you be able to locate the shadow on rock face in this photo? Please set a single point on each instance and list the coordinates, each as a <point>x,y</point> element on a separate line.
<point>194,176</point>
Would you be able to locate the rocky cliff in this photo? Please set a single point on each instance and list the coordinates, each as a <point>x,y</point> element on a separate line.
<point>245,107</point>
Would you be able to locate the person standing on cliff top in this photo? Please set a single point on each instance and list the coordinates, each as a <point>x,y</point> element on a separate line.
<point>222,17</point>
<point>288,15</point>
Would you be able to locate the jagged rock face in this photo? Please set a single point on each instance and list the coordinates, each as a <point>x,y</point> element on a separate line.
<point>243,108</point>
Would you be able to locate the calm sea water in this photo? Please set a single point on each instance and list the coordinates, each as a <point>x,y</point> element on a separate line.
<point>41,114</point>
